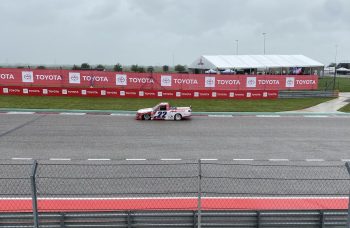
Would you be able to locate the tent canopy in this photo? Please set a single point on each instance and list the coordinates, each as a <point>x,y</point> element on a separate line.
<point>252,61</point>
<point>343,69</point>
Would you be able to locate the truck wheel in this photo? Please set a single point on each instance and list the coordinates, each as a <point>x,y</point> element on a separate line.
<point>178,117</point>
<point>146,117</point>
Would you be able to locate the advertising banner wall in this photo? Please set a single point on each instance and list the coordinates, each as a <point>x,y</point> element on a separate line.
<point>154,81</point>
<point>120,93</point>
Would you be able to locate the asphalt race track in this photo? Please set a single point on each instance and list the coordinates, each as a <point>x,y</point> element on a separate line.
<point>48,136</point>
<point>298,161</point>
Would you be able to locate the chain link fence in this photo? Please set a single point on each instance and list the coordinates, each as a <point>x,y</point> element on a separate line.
<point>198,186</point>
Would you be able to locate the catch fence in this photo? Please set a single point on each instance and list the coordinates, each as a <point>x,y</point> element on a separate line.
<point>176,193</point>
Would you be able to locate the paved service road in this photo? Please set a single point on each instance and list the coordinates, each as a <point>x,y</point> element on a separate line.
<point>42,136</point>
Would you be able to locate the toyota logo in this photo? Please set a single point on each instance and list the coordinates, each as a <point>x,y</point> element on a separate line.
<point>27,76</point>
<point>210,81</point>
<point>290,82</point>
<point>166,80</point>
<point>121,79</point>
<point>74,78</point>
<point>251,82</point>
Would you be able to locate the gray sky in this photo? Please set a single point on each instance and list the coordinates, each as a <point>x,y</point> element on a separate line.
<point>152,32</point>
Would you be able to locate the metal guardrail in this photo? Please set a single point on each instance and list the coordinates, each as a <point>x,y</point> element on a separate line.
<point>174,194</point>
<point>162,219</point>
<point>307,94</point>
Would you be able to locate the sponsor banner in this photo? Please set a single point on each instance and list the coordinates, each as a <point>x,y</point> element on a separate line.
<point>91,92</point>
<point>110,92</point>
<point>12,91</point>
<point>184,94</point>
<point>52,92</point>
<point>120,93</point>
<point>154,81</point>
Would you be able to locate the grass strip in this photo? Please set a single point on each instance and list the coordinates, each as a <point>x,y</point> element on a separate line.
<point>345,108</point>
<point>132,104</point>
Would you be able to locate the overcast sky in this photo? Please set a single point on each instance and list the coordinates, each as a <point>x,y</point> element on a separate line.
<point>156,32</point>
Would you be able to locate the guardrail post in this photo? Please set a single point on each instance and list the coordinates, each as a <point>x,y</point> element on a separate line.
<point>258,218</point>
<point>322,219</point>
<point>129,219</point>
<point>34,196</point>
<point>347,165</point>
<point>199,200</point>
<point>62,220</point>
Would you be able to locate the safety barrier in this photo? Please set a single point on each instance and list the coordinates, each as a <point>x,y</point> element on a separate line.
<point>99,92</point>
<point>215,192</point>
<point>297,219</point>
<point>305,94</point>
<point>154,81</point>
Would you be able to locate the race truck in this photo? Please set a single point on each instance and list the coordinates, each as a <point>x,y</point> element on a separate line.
<point>163,111</point>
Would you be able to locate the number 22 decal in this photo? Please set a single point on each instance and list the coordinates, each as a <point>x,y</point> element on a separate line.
<point>161,115</point>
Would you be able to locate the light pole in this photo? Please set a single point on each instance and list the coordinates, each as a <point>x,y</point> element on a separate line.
<point>264,34</point>
<point>335,65</point>
<point>236,47</point>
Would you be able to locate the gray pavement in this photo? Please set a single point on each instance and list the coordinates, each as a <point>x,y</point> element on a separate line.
<point>121,137</point>
<point>330,106</point>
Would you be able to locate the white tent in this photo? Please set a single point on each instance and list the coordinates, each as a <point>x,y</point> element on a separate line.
<point>252,61</point>
<point>227,71</point>
<point>343,69</point>
<point>210,71</point>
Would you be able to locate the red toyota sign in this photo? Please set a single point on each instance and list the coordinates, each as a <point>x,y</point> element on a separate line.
<point>154,81</point>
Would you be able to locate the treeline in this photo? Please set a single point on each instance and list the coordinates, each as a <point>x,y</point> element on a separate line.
<point>117,68</point>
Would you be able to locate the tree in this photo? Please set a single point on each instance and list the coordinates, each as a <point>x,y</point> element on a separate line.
<point>165,68</point>
<point>118,68</point>
<point>150,69</point>
<point>100,67</point>
<point>331,65</point>
<point>75,67</point>
<point>41,67</point>
<point>85,66</point>
<point>180,68</point>
<point>134,68</point>
<point>141,70</point>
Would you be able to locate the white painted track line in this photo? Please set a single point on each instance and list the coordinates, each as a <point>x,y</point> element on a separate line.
<point>99,159</point>
<point>73,113</point>
<point>243,159</point>
<point>314,160</point>
<point>28,113</point>
<point>268,116</point>
<point>136,159</point>
<point>316,116</point>
<point>121,114</point>
<point>209,159</point>
<point>170,159</point>
<point>21,158</point>
<point>60,159</point>
<point>225,116</point>
<point>278,159</point>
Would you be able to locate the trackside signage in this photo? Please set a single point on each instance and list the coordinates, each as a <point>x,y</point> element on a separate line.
<point>154,81</point>
<point>109,92</point>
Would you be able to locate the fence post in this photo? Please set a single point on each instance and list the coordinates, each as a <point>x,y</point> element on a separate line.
<point>347,164</point>
<point>199,200</point>
<point>34,197</point>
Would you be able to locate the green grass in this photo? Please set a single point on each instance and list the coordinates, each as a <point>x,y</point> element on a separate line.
<point>345,108</point>
<point>341,84</point>
<point>131,104</point>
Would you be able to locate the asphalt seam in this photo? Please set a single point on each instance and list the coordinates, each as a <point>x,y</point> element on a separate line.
<point>21,126</point>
